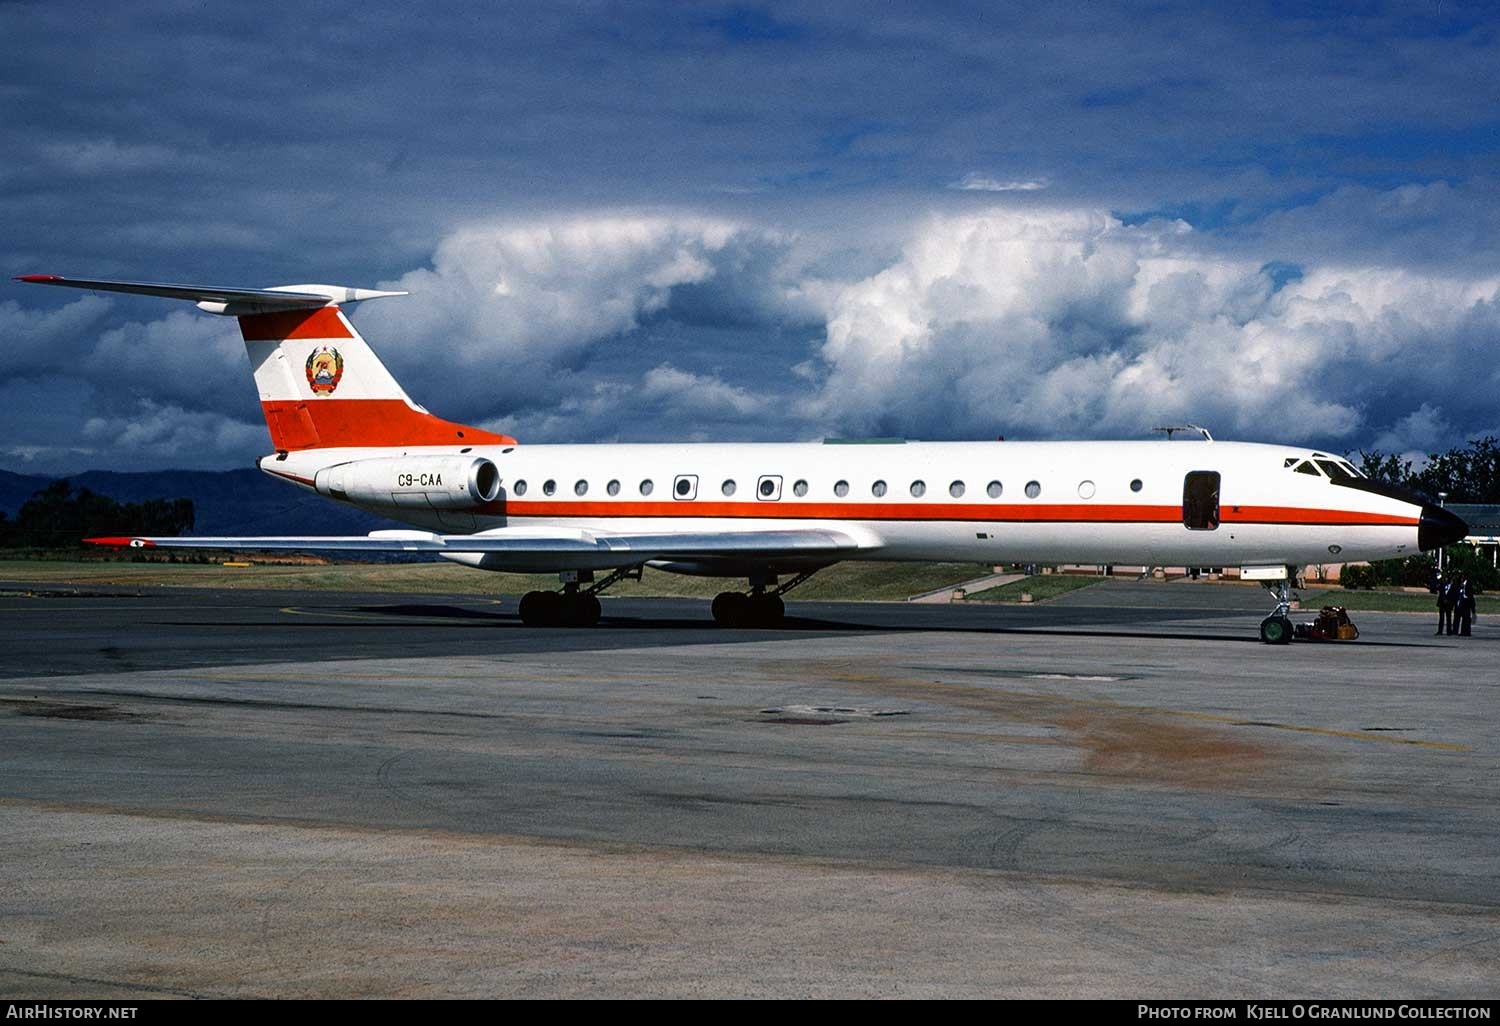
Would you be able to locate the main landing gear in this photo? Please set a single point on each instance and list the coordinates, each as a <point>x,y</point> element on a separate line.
<point>1276,629</point>
<point>573,606</point>
<point>759,609</point>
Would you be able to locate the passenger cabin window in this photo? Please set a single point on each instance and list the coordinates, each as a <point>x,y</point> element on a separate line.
<point>519,488</point>
<point>549,487</point>
<point>727,488</point>
<point>877,489</point>
<point>993,489</point>
<point>841,488</point>
<point>956,489</point>
<point>613,488</point>
<point>799,489</point>
<point>918,489</point>
<point>647,487</point>
<point>1200,500</point>
<point>581,488</point>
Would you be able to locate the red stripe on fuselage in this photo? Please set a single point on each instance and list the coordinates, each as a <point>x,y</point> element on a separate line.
<point>1296,515</point>
<point>1086,513</point>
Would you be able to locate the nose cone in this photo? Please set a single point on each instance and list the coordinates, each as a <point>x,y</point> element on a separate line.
<point>1438,528</point>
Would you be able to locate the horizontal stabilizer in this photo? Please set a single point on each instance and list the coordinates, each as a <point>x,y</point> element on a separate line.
<point>236,302</point>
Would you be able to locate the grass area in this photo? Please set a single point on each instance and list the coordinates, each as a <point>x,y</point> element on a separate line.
<point>1386,601</point>
<point>1042,587</point>
<point>846,581</point>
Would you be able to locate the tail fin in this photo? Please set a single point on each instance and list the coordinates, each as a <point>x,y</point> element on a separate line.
<point>320,384</point>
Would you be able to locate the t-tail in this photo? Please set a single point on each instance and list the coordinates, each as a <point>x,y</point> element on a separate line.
<point>321,385</point>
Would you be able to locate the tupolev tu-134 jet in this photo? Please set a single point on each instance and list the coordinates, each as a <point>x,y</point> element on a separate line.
<point>768,513</point>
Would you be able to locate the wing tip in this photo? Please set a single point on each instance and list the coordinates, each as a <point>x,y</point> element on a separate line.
<point>39,279</point>
<point>121,542</point>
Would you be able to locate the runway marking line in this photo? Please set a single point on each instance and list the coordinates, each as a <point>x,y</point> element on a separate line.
<point>1152,710</point>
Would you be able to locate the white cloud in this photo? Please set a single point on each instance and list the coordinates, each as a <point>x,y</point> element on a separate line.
<point>698,394</point>
<point>183,356</point>
<point>166,434</point>
<point>1061,322</point>
<point>974,181</point>
<point>1066,322</point>
<point>509,305</point>
<point>46,341</point>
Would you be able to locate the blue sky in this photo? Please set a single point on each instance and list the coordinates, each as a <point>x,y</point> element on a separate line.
<point>737,221</point>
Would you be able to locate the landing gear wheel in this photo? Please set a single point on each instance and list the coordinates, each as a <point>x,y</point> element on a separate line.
<point>737,610</point>
<point>767,610</point>
<point>731,609</point>
<point>1276,630</point>
<point>579,610</point>
<point>541,609</point>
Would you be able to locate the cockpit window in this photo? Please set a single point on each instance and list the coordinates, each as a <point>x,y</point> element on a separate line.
<point>1335,470</point>
<point>1306,467</point>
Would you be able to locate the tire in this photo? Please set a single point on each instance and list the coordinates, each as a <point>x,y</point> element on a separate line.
<point>767,611</point>
<point>1276,630</point>
<point>549,609</point>
<point>732,609</point>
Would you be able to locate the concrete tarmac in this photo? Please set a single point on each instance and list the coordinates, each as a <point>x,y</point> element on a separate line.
<point>1117,794</point>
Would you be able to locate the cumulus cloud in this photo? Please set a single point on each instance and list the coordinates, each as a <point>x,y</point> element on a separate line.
<point>1056,323</point>
<point>182,357</point>
<point>157,432</point>
<point>46,341</point>
<point>506,312</point>
<point>1035,322</point>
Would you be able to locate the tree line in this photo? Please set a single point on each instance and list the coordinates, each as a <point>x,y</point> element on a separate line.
<point>1469,474</point>
<point>61,516</point>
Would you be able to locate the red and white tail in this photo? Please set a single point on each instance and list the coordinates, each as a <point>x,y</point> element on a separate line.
<point>321,385</point>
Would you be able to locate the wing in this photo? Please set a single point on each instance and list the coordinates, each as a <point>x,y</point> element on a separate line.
<point>557,548</point>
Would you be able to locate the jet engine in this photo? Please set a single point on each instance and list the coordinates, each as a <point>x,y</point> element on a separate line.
<point>427,482</point>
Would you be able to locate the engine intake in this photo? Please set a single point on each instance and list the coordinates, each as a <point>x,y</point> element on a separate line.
<point>432,482</point>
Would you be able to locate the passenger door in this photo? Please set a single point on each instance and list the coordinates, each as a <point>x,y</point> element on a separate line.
<point>1200,500</point>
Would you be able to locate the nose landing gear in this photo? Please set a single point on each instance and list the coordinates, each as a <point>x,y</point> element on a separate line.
<point>1276,629</point>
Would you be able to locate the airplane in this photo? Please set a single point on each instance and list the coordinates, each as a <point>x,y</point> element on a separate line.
<point>771,514</point>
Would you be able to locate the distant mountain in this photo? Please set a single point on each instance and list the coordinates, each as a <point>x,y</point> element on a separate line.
<point>15,489</point>
<point>233,502</point>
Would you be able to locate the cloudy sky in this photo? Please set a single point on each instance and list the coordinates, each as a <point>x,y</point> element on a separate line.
<point>642,221</point>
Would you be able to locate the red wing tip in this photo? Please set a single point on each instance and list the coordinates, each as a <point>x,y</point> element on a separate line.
<point>40,278</point>
<point>122,543</point>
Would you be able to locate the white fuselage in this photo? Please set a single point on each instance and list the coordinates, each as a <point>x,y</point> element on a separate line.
<point>994,502</point>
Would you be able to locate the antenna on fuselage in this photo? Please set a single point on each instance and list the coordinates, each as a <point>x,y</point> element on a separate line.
<point>1185,427</point>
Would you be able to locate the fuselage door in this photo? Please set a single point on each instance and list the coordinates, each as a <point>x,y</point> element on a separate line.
<point>1200,500</point>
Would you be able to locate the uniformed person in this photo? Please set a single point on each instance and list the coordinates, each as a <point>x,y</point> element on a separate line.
<point>1463,607</point>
